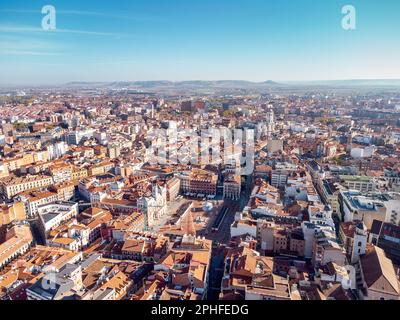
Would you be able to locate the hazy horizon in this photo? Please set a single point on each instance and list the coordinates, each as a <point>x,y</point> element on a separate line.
<point>267,82</point>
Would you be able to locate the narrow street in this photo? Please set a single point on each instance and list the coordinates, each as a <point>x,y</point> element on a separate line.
<point>216,273</point>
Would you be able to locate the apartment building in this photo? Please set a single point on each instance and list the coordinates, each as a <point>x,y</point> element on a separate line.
<point>116,287</point>
<point>359,183</point>
<point>18,241</point>
<point>330,193</point>
<point>276,238</point>
<point>12,212</point>
<point>232,187</point>
<point>187,264</point>
<point>95,219</point>
<point>100,168</point>
<point>173,186</point>
<point>33,200</point>
<point>387,237</point>
<point>3,170</point>
<point>65,191</point>
<point>252,276</point>
<point>355,206</point>
<point>279,178</point>
<point>57,285</point>
<point>61,172</point>
<point>199,182</point>
<point>11,186</point>
<point>141,247</point>
<point>79,173</point>
<point>25,159</point>
<point>117,229</point>
<point>53,214</point>
<point>326,249</point>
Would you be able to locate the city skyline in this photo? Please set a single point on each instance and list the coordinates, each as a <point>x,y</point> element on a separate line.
<point>180,40</point>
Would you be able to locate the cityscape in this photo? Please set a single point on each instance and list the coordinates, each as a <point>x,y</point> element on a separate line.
<point>196,190</point>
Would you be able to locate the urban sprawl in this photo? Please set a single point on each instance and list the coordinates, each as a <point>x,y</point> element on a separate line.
<point>97,204</point>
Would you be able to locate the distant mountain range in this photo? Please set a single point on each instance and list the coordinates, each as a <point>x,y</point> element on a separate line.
<point>238,84</point>
<point>181,84</point>
<point>224,86</point>
<point>350,83</point>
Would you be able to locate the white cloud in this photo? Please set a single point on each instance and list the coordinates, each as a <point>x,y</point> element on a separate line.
<point>89,13</point>
<point>26,53</point>
<point>28,29</point>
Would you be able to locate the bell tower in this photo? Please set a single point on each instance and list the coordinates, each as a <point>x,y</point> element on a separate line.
<point>360,242</point>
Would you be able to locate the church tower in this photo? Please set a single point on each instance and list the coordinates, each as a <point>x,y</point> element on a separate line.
<point>360,242</point>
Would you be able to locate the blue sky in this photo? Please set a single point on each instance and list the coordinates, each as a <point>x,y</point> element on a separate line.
<point>281,40</point>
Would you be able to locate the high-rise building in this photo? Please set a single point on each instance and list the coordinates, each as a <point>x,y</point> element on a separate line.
<point>186,106</point>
